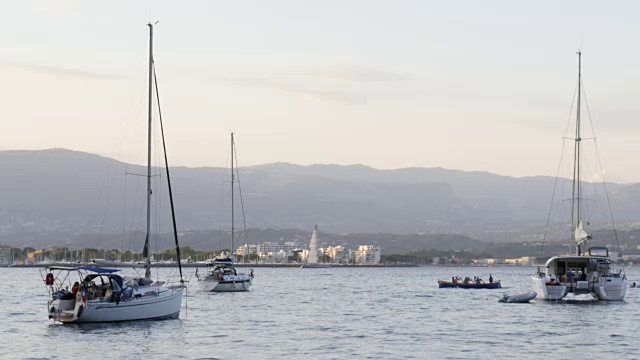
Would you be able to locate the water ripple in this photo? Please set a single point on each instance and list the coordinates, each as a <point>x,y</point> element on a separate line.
<point>334,314</point>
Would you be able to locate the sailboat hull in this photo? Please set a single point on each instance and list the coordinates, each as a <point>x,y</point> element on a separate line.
<point>231,283</point>
<point>165,303</point>
<point>605,288</point>
<point>614,290</point>
<point>548,292</point>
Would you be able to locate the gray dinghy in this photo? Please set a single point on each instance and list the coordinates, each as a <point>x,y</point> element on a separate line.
<point>519,298</point>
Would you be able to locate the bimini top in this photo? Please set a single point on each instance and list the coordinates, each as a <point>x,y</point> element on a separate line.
<point>597,253</point>
<point>94,269</point>
<point>226,260</point>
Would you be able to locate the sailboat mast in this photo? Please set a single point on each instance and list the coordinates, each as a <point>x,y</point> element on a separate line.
<point>232,181</point>
<point>148,264</point>
<point>577,193</point>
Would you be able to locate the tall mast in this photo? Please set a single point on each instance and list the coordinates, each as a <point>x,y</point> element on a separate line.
<point>577,191</point>
<point>147,267</point>
<point>232,181</point>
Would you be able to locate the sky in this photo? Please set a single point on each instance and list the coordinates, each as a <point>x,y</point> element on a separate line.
<point>463,85</point>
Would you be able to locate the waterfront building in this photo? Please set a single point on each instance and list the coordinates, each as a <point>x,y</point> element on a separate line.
<point>366,254</point>
<point>279,253</point>
<point>6,257</point>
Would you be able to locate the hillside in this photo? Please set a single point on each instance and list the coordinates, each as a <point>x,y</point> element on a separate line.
<point>62,191</point>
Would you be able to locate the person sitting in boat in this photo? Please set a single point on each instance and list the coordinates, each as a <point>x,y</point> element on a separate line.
<point>75,287</point>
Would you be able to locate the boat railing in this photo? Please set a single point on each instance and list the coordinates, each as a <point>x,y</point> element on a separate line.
<point>57,282</point>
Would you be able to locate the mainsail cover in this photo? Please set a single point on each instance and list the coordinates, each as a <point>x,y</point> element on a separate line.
<point>580,235</point>
<point>313,247</point>
<point>145,249</point>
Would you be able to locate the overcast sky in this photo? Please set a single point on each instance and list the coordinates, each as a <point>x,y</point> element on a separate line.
<point>472,85</point>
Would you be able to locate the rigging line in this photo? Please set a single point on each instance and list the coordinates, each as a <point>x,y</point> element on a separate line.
<point>135,130</point>
<point>157,194</point>
<point>115,163</point>
<point>166,162</point>
<point>221,208</point>
<point>135,223</point>
<point>124,212</point>
<point>244,221</point>
<point>106,207</point>
<point>555,184</point>
<point>604,183</point>
<point>133,213</point>
<point>106,176</point>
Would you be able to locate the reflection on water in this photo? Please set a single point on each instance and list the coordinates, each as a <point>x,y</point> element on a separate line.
<point>333,313</point>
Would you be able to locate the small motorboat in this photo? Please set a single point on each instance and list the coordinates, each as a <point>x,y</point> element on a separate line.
<point>221,276</point>
<point>519,298</point>
<point>469,283</point>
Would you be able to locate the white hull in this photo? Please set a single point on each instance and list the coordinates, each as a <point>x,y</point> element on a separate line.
<point>612,291</point>
<point>547,292</point>
<point>604,288</point>
<point>156,304</point>
<point>239,283</point>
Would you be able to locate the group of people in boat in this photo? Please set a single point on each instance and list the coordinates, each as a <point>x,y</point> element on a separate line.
<point>113,289</point>
<point>468,280</point>
<point>65,294</point>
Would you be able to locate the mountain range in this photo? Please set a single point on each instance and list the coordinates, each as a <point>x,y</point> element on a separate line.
<point>63,191</point>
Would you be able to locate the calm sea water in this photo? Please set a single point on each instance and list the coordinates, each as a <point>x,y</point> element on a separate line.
<point>335,313</point>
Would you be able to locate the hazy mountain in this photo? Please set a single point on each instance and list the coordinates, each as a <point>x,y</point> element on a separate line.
<point>63,191</point>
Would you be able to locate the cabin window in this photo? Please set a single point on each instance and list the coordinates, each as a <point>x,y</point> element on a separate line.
<point>561,268</point>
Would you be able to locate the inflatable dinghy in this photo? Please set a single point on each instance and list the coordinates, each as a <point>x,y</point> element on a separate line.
<point>519,298</point>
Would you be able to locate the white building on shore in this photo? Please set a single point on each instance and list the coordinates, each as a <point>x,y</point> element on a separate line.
<point>366,254</point>
<point>280,253</point>
<point>6,257</point>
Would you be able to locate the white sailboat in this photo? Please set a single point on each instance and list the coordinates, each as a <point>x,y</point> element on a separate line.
<point>100,295</point>
<point>312,257</point>
<point>221,275</point>
<point>588,272</point>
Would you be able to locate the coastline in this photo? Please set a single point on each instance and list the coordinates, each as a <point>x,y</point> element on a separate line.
<point>195,265</point>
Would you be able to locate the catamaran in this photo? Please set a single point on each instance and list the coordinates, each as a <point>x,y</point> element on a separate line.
<point>98,294</point>
<point>587,272</point>
<point>221,275</point>
<point>312,257</point>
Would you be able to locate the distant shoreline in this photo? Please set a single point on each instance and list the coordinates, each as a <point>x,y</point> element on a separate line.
<point>245,265</point>
<point>193,265</point>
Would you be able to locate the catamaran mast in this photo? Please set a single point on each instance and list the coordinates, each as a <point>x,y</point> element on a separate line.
<point>577,191</point>
<point>232,181</point>
<point>147,266</point>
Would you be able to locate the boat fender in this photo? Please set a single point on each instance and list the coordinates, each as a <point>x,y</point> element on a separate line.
<point>52,310</point>
<point>80,310</point>
<point>49,279</point>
